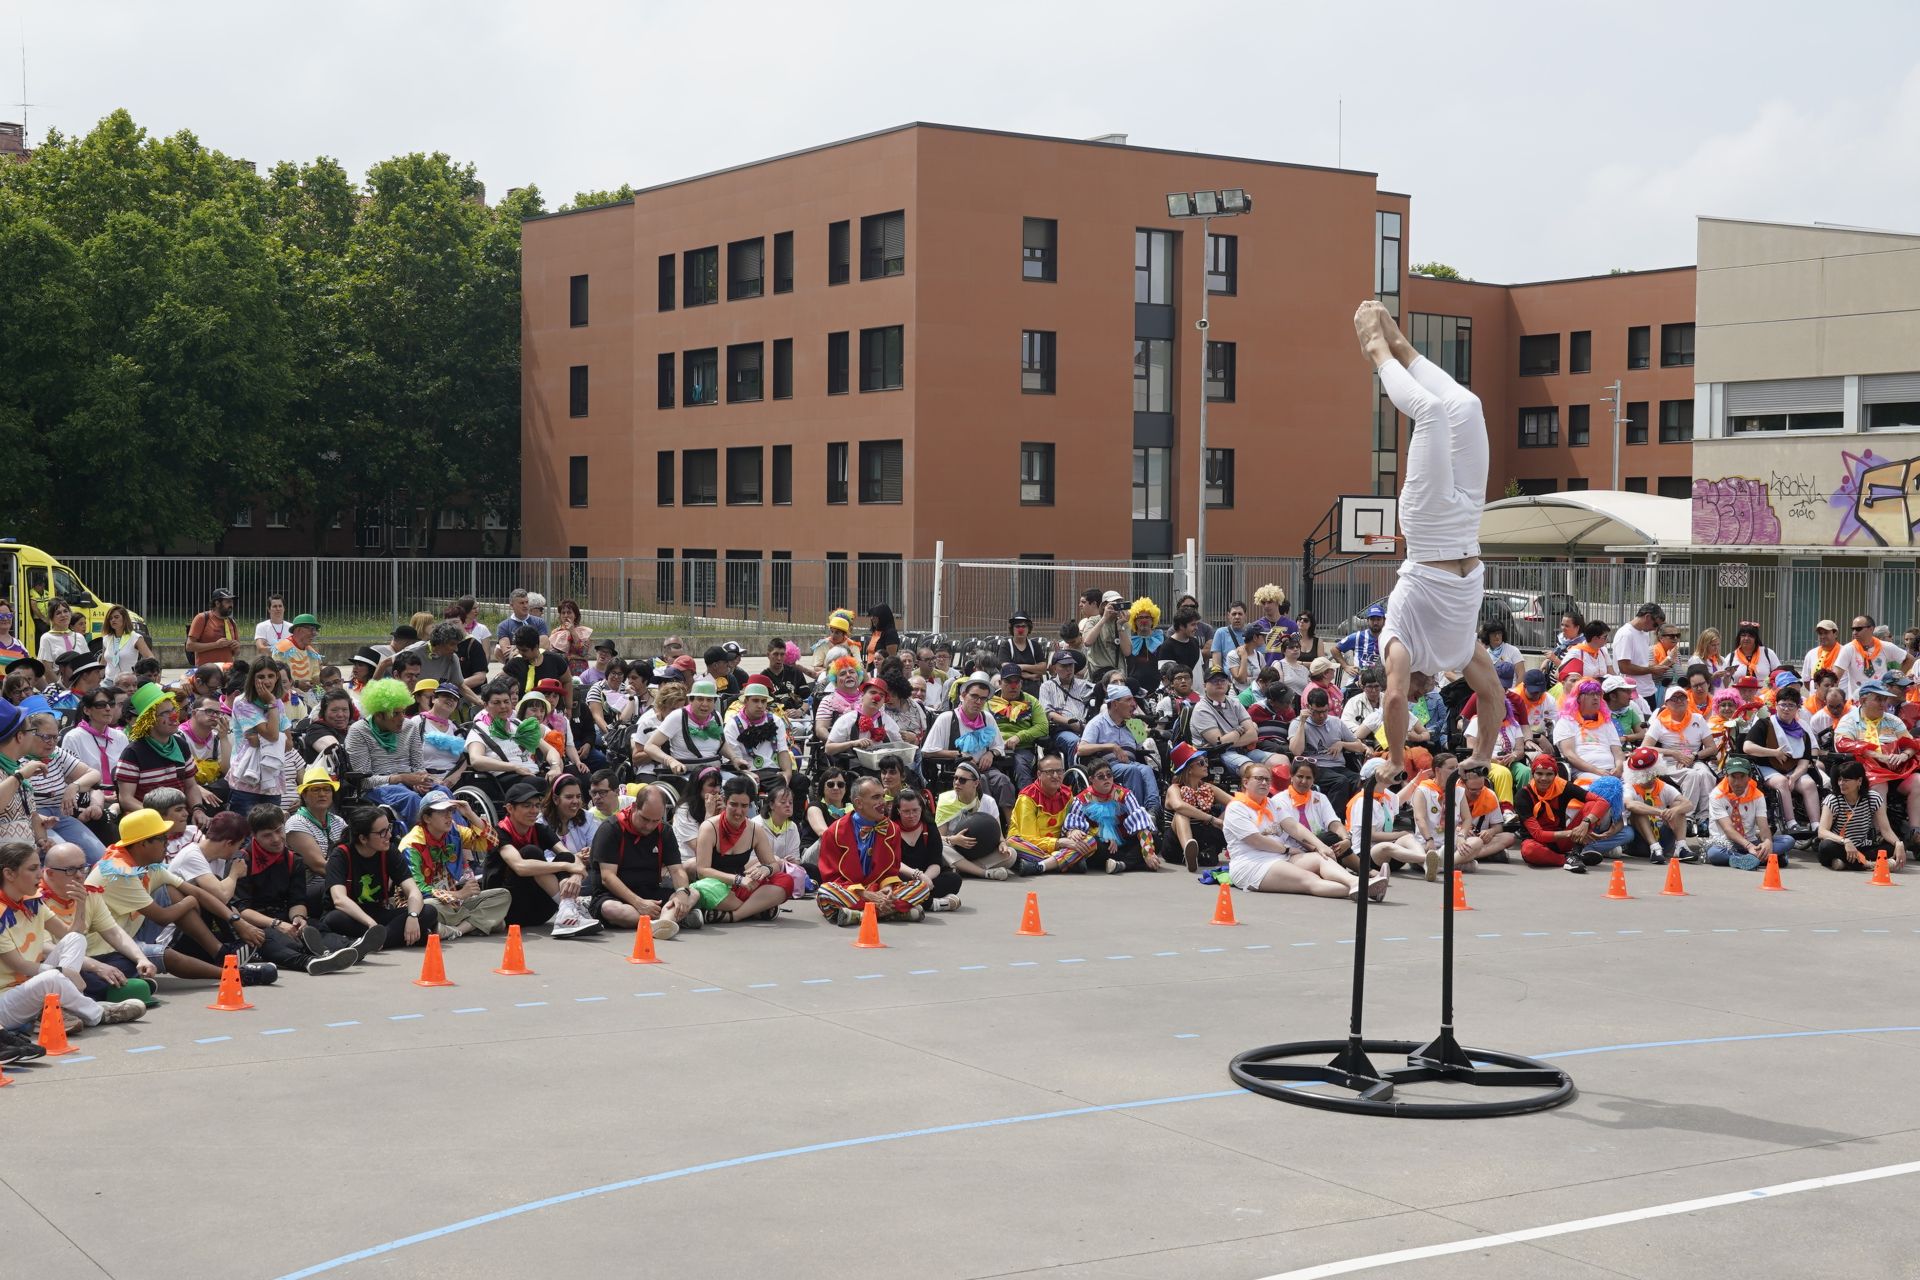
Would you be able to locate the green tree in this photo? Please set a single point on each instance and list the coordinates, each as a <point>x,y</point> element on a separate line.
<point>587,199</point>
<point>1438,270</point>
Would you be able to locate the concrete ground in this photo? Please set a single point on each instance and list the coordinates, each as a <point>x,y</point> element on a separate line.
<point>971,1103</point>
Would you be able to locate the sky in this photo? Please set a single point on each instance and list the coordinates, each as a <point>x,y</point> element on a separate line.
<point>1537,140</point>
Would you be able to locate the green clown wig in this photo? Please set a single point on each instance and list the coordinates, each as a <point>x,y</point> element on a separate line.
<point>383,696</point>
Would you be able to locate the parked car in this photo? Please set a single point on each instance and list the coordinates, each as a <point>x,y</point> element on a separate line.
<point>1531,621</point>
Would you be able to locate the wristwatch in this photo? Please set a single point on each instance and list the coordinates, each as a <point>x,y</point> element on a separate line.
<point>413,915</point>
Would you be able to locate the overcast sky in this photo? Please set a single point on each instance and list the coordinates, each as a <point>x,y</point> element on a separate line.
<point>1536,139</point>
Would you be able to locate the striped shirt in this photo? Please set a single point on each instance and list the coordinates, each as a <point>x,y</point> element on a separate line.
<point>1854,821</point>
<point>50,784</point>
<point>145,769</point>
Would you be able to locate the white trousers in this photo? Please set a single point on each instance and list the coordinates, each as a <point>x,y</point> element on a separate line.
<point>1696,783</point>
<point>1445,489</point>
<point>60,974</point>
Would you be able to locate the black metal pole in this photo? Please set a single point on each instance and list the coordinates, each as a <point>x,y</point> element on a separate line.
<point>1443,1050</point>
<point>1354,1057</point>
<point>1306,577</point>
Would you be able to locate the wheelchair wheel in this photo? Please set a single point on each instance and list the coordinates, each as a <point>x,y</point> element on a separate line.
<point>481,801</point>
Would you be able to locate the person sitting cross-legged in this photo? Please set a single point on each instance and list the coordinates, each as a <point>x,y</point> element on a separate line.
<point>1558,817</point>
<point>1853,824</point>
<point>921,849</point>
<point>115,968</point>
<point>1656,810</point>
<point>1394,841</point>
<point>134,880</point>
<point>372,895</point>
<point>1037,839</point>
<point>270,898</point>
<point>40,956</point>
<point>970,825</point>
<point>544,880</point>
<point>736,875</point>
<point>860,864</point>
<point>1742,837</point>
<point>638,873</point>
<point>1193,808</point>
<point>1272,846</point>
<point>444,853</point>
<point>1112,820</point>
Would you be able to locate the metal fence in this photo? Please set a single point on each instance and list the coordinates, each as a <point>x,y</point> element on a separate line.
<point>361,599</point>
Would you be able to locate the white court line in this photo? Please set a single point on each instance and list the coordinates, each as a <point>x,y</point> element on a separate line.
<point>1499,1238</point>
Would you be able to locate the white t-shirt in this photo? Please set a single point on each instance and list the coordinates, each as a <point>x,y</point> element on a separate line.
<point>87,749</point>
<point>767,754</point>
<point>940,734</point>
<point>1816,660</point>
<point>1856,668</point>
<point>1587,745</point>
<point>844,728</point>
<point>1721,807</point>
<point>190,863</point>
<point>1315,815</point>
<point>1387,817</point>
<point>1427,801</point>
<point>1691,738</point>
<point>1631,644</point>
<point>272,632</point>
<point>1507,651</point>
<point>1512,738</point>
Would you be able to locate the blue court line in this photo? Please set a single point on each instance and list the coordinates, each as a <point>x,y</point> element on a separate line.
<point>280,1031</point>
<point>1158,954</point>
<point>213,1040</point>
<point>1074,960</point>
<point>405,1017</point>
<point>701,990</point>
<point>591,999</point>
<point>784,1153</point>
<point>968,968</point>
<point>1022,964</point>
<point>143,1048</point>
<point>1186,1035</point>
<point>866,977</point>
<point>529,1004</point>
<point>474,1009</point>
<point>761,986</point>
<point>74,1062</point>
<point>352,1022</point>
<point>915,973</point>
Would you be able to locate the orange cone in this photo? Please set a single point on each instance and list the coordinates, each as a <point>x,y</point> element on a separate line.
<point>1460,893</point>
<point>514,963</point>
<point>1771,880</point>
<point>53,1028</point>
<point>1882,873</point>
<point>1223,907</point>
<point>1617,886</point>
<point>230,999</point>
<point>5,1079</point>
<point>643,944</point>
<point>1030,919</point>
<point>869,928</point>
<point>433,970</point>
<point>1674,889</point>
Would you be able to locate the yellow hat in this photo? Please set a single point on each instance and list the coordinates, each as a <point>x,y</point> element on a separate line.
<point>142,824</point>
<point>426,685</point>
<point>317,776</point>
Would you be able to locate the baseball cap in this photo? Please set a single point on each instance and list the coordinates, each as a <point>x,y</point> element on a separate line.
<point>1376,611</point>
<point>1536,682</point>
<point>222,593</point>
<point>1614,683</point>
<point>1320,666</point>
<point>1643,758</point>
<point>1217,672</point>
<point>1009,671</point>
<point>1876,688</point>
<point>1112,597</point>
<point>1737,764</point>
<point>732,649</point>
<point>1676,691</point>
<point>524,793</point>
<point>714,654</point>
<point>438,803</point>
<point>1826,624</point>
<point>1065,658</point>
<point>1259,627</point>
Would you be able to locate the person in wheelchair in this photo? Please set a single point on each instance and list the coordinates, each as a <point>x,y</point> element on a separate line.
<point>443,746</point>
<point>868,726</point>
<point>1067,699</point>
<point>384,752</point>
<point>500,750</point>
<point>1022,722</point>
<point>968,733</point>
<point>320,737</point>
<point>754,741</point>
<point>688,736</point>
<point>1194,808</point>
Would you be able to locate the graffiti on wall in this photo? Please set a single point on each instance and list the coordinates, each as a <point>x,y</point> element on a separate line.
<point>1734,511</point>
<point>1878,500</point>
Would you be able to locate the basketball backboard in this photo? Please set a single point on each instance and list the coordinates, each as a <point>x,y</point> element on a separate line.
<point>1368,526</point>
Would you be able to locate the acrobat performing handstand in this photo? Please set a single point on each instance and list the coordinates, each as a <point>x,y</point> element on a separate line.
<point>1434,612</point>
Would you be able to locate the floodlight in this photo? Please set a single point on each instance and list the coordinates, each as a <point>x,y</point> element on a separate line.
<point>1179,205</point>
<point>1234,200</point>
<point>1206,203</point>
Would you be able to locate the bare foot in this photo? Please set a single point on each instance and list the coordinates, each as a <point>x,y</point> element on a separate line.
<point>1370,321</point>
<point>1475,762</point>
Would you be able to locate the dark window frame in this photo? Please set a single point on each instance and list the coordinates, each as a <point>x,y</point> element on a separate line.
<point>751,254</point>
<point>882,237</point>
<point>839,252</point>
<point>837,455</point>
<point>1676,426</point>
<point>700,277</point>
<point>1040,253</point>
<point>1676,345</point>
<point>1037,362</point>
<point>838,358</point>
<point>1152,284</point>
<point>1580,351</point>
<point>1636,426</point>
<point>1545,429</point>
<point>783,262</point>
<point>577,391</point>
<point>874,456</point>
<point>669,290</point>
<point>750,459</point>
<point>1533,359</point>
<point>1143,385</point>
<point>782,369</point>
<point>1222,264</point>
<point>1039,477</point>
<point>1579,426</point>
<point>1220,466</point>
<point>1674,487</point>
<point>1222,363</point>
<point>666,472</point>
<point>746,372</point>
<point>883,358</point>
<point>663,576</point>
<point>577,481</point>
<point>577,299</point>
<point>781,486</point>
<point>693,463</point>
<point>710,357</point>
<point>1639,337</point>
<point>664,381</point>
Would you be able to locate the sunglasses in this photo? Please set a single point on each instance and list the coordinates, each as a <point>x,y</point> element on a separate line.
<point>1863,627</point>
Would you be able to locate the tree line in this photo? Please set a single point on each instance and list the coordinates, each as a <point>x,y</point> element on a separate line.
<point>181,335</point>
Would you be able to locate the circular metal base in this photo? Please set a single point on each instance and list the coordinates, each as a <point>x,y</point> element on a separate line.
<point>1264,1071</point>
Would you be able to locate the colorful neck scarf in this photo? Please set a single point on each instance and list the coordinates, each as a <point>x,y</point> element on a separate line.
<point>1869,656</point>
<point>260,861</point>
<point>1103,812</point>
<point>870,726</point>
<point>1261,807</point>
<point>1149,643</point>
<point>1677,723</point>
<point>728,831</point>
<point>709,729</point>
<point>169,748</point>
<point>388,740</point>
<point>864,834</point>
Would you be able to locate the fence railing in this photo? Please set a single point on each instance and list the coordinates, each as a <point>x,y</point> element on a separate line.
<point>362,599</point>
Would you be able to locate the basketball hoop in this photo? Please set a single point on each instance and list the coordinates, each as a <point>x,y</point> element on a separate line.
<point>1380,544</point>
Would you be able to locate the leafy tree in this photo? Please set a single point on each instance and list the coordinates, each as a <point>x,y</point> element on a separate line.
<point>1438,270</point>
<point>587,199</point>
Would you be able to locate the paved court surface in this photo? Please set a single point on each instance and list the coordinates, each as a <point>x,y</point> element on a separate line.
<point>970,1103</point>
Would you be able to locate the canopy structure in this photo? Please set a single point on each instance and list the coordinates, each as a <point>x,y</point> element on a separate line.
<point>1585,522</point>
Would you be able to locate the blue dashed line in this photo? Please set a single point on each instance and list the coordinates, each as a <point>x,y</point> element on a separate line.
<point>1679,931</point>
<point>1624,932</point>
<point>529,1004</point>
<point>1583,933</point>
<point>916,973</point>
<point>1074,960</point>
<point>598,999</point>
<point>699,990</point>
<point>867,977</point>
<point>969,968</point>
<point>213,1040</point>
<point>1726,931</point>
<point>474,1009</point>
<point>143,1048</point>
<point>1383,940</point>
<point>1207,951</point>
<point>642,995</point>
<point>1826,931</point>
<point>74,1062</point>
<point>1536,935</point>
<point>1022,964</point>
<point>761,986</point>
<point>1789,931</point>
<point>1315,944</point>
<point>1344,942</point>
<point>1252,946</point>
<point>814,982</point>
<point>351,1022</point>
<point>405,1017</point>
<point>1158,954</point>
<point>1186,1035</point>
<point>1119,957</point>
<point>1876,931</point>
<point>280,1031</point>
<point>1486,935</point>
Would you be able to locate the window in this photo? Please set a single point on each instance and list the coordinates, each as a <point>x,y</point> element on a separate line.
<point>277,517</point>
<point>837,479</point>
<point>1223,264</point>
<point>1879,416</point>
<point>1637,347</point>
<point>880,471</point>
<point>743,579</point>
<point>1036,362</point>
<point>1220,372</point>
<point>663,478</point>
<point>1539,428</point>
<point>702,283</point>
<point>667,292</point>
<point>783,262</point>
<point>1152,484</point>
<point>746,268</point>
<point>1636,422</point>
<point>1636,484</point>
<point>1539,355</point>
<point>1219,478</point>
<point>1038,255</point>
<point>883,245</point>
<point>1535,487</point>
<point>1576,484</point>
<point>663,380</point>
<point>577,391</point>
<point>1152,375</point>
<point>577,301</point>
<point>1579,426</point>
<point>697,575</point>
<point>1580,351</point>
<point>1386,260</point>
<point>783,368</point>
<point>699,477</point>
<point>1036,475</point>
<point>880,358</point>
<point>1675,487</point>
<point>1153,267</point>
<point>783,475</point>
<point>1676,422</point>
<point>743,476</point>
<point>703,376</point>
<point>577,480</point>
<point>1445,340</point>
<point>243,518</point>
<point>663,575</point>
<point>743,372</point>
<point>780,582</point>
<point>837,364</point>
<point>577,553</point>
<point>1747,424</point>
<point>1676,345</point>
<point>838,253</point>
<point>837,577</point>
<point>882,581</point>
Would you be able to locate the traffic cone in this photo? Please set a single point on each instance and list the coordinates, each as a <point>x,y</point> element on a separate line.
<point>5,1079</point>
<point>230,999</point>
<point>1223,907</point>
<point>1674,888</point>
<point>514,963</point>
<point>1030,919</point>
<point>53,1028</point>
<point>1460,893</point>
<point>433,970</point>
<point>1617,886</point>
<point>1771,880</point>
<point>643,944</point>
<point>869,938</point>
<point>1882,873</point>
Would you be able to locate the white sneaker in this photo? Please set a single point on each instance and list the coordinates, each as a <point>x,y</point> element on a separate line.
<point>122,1011</point>
<point>664,927</point>
<point>951,902</point>
<point>572,922</point>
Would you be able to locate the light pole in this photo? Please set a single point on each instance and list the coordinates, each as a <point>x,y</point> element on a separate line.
<point>1206,206</point>
<point>1614,400</point>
